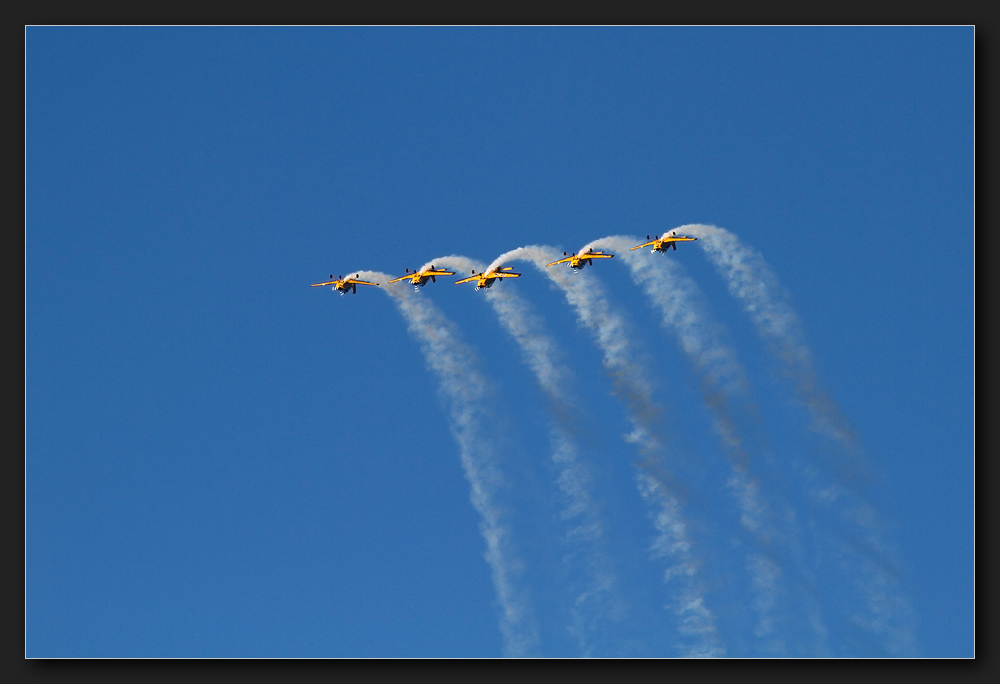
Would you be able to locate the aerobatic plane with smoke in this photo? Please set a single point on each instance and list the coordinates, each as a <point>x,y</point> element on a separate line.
<point>662,244</point>
<point>420,278</point>
<point>489,277</point>
<point>577,261</point>
<point>342,284</point>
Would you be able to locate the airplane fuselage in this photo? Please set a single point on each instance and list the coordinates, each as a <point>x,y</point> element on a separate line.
<point>419,281</point>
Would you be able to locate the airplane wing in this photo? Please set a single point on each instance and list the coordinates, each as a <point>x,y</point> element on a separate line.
<point>502,274</point>
<point>467,280</point>
<point>437,272</point>
<point>329,282</point>
<point>561,261</point>
<point>400,278</point>
<point>359,282</point>
<point>600,255</point>
<point>645,244</point>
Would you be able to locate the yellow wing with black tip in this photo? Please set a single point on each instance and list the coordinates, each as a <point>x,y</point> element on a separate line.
<point>645,244</point>
<point>563,261</point>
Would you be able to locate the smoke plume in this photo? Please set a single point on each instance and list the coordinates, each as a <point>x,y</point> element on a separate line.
<point>463,390</point>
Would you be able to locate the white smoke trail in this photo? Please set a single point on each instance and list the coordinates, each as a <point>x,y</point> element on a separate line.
<point>596,598</point>
<point>464,389</point>
<point>869,560</point>
<point>725,389</point>
<point>752,282</point>
<point>695,621</point>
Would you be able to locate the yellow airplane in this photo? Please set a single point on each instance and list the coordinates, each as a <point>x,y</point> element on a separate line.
<point>421,277</point>
<point>487,279</point>
<point>342,284</point>
<point>662,244</point>
<point>580,260</point>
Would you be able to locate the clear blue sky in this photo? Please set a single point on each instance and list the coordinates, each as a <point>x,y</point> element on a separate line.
<point>223,461</point>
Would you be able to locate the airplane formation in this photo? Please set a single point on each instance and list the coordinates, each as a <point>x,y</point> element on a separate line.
<point>486,280</point>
